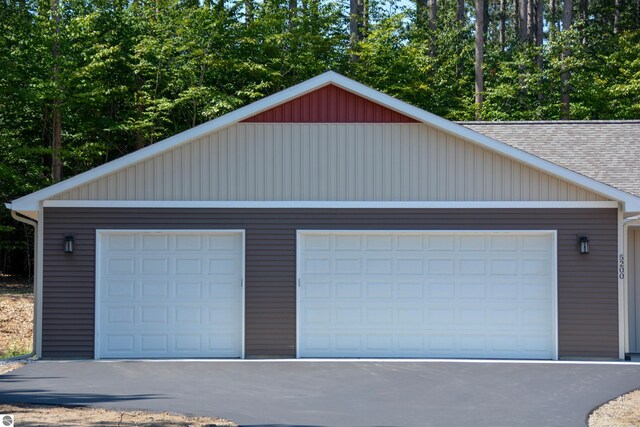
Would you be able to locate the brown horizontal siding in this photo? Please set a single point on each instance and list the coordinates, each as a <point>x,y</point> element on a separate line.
<point>587,284</point>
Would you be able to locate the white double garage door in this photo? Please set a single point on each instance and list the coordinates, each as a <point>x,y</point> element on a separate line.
<point>476,294</point>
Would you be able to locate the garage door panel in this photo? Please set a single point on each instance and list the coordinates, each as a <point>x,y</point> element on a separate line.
<point>188,289</point>
<point>190,243</point>
<point>155,288</point>
<point>178,345</point>
<point>186,315</point>
<point>464,344</point>
<point>124,289</point>
<point>119,343</point>
<point>426,294</point>
<point>170,294</point>
<point>154,266</point>
<point>158,343</point>
<point>120,242</point>
<point>120,266</point>
<point>124,316</point>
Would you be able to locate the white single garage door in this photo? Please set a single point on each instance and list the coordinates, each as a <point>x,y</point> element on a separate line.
<point>169,294</point>
<point>427,294</point>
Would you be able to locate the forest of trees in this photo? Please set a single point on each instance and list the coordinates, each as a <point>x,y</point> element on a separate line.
<point>85,81</point>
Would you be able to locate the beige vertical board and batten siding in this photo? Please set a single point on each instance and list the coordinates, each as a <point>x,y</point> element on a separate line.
<point>354,162</point>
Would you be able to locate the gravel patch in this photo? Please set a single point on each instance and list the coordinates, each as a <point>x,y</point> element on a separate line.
<point>45,415</point>
<point>16,317</point>
<point>623,411</point>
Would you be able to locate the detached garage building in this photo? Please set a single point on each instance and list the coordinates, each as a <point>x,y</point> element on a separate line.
<point>330,220</point>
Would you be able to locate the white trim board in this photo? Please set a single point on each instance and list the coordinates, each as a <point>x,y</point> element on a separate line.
<point>39,282</point>
<point>623,331</point>
<point>325,204</point>
<point>96,307</point>
<point>29,202</point>
<point>554,278</point>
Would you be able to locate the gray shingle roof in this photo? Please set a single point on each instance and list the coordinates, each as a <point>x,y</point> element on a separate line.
<point>608,151</point>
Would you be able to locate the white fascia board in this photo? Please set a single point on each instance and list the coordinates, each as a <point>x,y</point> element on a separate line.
<point>29,202</point>
<point>241,204</point>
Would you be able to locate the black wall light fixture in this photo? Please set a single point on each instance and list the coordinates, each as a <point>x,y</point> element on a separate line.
<point>584,244</point>
<point>68,244</point>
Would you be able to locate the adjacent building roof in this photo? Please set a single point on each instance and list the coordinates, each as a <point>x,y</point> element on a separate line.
<point>608,151</point>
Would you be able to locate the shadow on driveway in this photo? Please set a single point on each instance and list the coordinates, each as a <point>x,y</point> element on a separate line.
<point>46,397</point>
<point>13,378</point>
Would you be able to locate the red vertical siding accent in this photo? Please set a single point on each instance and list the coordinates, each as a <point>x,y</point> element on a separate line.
<point>330,104</point>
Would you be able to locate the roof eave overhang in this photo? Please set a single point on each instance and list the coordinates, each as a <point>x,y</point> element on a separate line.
<point>32,214</point>
<point>29,204</point>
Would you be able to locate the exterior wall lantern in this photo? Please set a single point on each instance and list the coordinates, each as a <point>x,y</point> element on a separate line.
<point>584,244</point>
<point>68,244</point>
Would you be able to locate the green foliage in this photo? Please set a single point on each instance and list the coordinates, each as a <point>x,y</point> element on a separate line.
<point>15,349</point>
<point>621,78</point>
<point>395,59</point>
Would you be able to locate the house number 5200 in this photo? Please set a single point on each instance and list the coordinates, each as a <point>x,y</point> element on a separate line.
<point>621,266</point>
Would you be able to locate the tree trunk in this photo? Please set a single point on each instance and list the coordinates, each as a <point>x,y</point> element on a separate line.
<point>485,19</point>
<point>356,23</point>
<point>140,139</point>
<point>539,22</point>
<point>365,18</point>
<point>584,17</point>
<point>433,15</point>
<point>616,16</point>
<point>293,8</point>
<point>460,21</point>
<point>523,12</point>
<point>479,76</point>
<point>248,11</point>
<point>565,100</point>
<point>584,10</point>
<point>552,19</point>
<point>433,25</point>
<point>531,21</point>
<point>503,22</point>
<point>427,14</point>
<point>56,137</point>
<point>460,11</point>
<point>539,41</point>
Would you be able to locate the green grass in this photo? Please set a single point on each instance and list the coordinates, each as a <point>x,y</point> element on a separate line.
<point>15,350</point>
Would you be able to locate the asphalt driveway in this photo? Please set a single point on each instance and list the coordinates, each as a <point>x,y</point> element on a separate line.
<point>343,393</point>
